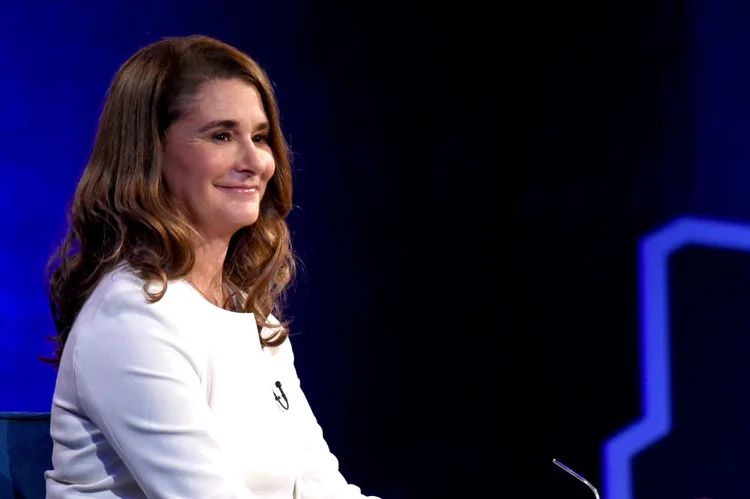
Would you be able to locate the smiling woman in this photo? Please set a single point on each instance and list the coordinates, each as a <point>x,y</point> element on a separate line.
<point>175,377</point>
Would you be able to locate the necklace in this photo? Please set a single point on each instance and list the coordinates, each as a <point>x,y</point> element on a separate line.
<point>225,303</point>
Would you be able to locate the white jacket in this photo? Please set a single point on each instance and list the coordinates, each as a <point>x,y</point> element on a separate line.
<point>177,399</point>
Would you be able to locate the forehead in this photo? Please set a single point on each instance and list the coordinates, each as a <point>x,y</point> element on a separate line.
<point>226,99</point>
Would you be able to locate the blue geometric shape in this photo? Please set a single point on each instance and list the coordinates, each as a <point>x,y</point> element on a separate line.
<point>654,251</point>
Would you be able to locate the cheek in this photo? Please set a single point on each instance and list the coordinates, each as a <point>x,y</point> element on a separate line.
<point>171,177</point>
<point>271,168</point>
<point>185,176</point>
<point>178,178</point>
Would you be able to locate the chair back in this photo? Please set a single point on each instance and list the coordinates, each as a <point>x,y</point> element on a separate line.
<point>25,454</point>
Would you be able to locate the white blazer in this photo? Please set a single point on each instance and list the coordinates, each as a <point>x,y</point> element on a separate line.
<point>177,399</point>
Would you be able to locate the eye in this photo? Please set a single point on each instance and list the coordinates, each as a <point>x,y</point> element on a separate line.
<point>222,136</point>
<point>261,137</point>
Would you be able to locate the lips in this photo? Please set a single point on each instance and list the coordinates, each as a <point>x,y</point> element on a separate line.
<point>240,188</point>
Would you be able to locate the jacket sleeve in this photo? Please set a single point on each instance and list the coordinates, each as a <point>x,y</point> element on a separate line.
<point>138,383</point>
<point>321,478</point>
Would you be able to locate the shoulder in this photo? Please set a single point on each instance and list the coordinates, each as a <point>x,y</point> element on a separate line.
<point>120,287</point>
<point>120,292</point>
<point>283,351</point>
<point>119,303</point>
<point>118,322</point>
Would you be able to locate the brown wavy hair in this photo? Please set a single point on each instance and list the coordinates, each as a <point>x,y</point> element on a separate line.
<point>123,213</point>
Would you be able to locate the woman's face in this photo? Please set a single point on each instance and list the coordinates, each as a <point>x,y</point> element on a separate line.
<point>217,158</point>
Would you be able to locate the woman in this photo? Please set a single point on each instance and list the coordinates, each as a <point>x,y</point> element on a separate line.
<point>175,380</point>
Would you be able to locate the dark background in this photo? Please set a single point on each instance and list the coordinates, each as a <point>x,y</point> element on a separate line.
<point>472,182</point>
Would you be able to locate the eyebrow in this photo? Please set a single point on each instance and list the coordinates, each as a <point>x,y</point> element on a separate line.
<point>231,124</point>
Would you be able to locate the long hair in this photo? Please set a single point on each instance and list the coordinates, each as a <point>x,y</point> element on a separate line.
<point>122,212</point>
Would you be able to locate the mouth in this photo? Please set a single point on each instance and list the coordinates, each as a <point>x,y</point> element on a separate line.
<point>239,189</point>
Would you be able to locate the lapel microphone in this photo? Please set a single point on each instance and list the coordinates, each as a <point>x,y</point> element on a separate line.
<point>283,395</point>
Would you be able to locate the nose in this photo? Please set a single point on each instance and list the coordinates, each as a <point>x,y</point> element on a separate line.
<point>254,158</point>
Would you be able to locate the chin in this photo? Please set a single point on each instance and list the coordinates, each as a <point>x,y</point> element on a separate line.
<point>247,219</point>
<point>232,221</point>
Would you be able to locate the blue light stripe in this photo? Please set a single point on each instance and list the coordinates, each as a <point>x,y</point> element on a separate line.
<point>653,254</point>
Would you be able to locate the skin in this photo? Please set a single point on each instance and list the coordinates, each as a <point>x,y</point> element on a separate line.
<point>218,162</point>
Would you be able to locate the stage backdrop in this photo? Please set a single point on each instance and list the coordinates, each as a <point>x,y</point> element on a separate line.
<point>626,117</point>
<point>420,310</point>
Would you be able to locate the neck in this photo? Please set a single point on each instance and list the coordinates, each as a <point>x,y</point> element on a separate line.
<point>207,275</point>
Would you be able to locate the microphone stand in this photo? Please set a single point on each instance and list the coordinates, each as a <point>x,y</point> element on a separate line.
<point>576,475</point>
